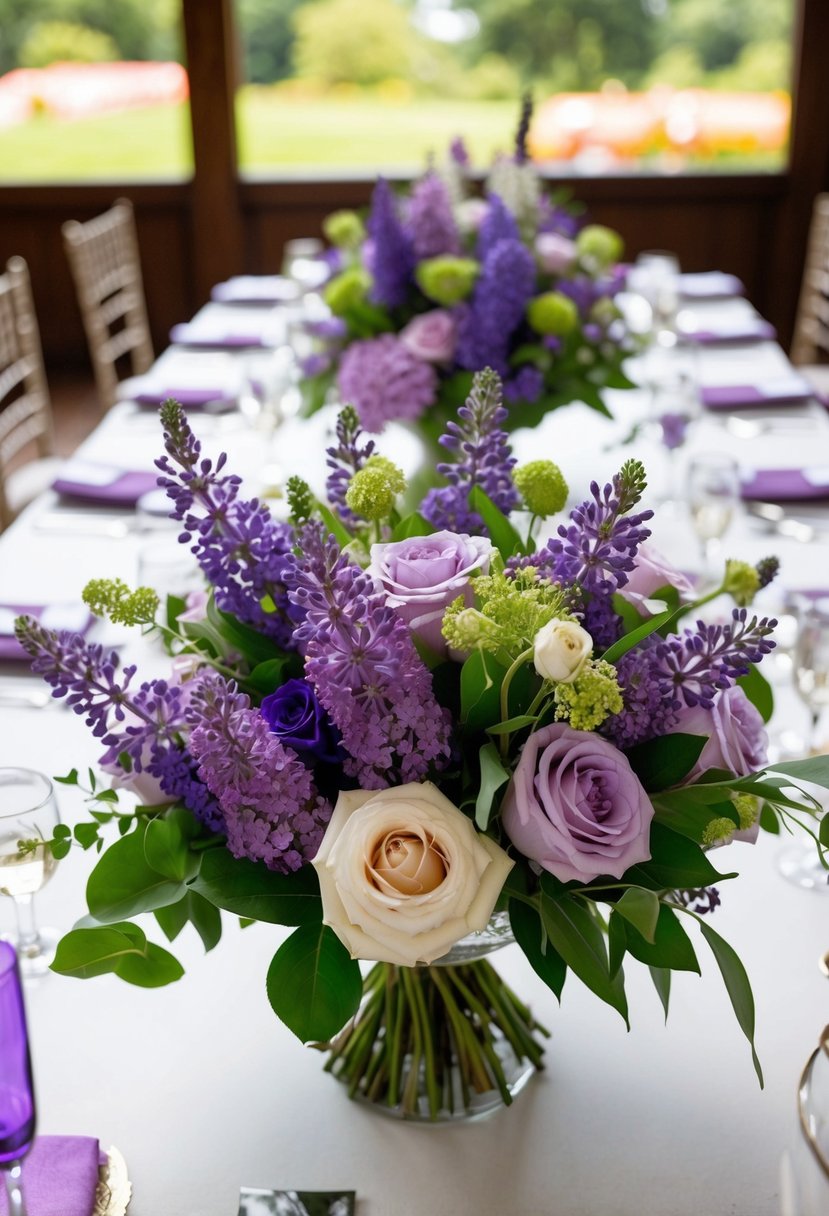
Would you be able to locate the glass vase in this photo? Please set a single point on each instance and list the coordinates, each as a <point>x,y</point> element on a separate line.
<point>443,1043</point>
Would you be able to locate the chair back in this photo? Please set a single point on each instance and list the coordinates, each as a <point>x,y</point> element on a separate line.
<point>103,257</point>
<point>811,330</point>
<point>25,408</point>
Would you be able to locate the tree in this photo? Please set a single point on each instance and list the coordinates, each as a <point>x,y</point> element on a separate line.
<point>354,41</point>
<point>266,30</point>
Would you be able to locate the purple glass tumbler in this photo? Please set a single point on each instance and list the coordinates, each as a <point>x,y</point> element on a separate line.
<point>17,1099</point>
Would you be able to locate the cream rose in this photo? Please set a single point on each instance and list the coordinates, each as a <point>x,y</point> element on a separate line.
<point>560,650</point>
<point>404,875</point>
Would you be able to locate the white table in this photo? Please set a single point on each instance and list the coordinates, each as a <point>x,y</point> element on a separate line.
<point>203,1089</point>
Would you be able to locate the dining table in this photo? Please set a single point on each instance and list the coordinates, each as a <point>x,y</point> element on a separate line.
<point>199,1085</point>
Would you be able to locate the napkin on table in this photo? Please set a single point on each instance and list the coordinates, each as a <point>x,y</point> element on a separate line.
<point>60,1174</point>
<point>709,285</point>
<point>103,485</point>
<point>743,330</point>
<point>787,485</point>
<point>74,617</point>
<point>776,390</point>
<point>256,289</point>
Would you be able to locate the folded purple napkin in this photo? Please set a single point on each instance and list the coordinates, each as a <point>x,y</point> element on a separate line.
<point>787,485</point>
<point>54,616</point>
<point>60,1175</point>
<point>187,335</point>
<point>710,285</point>
<point>190,398</point>
<point>255,289</point>
<point>113,488</point>
<point>750,331</point>
<point>732,396</point>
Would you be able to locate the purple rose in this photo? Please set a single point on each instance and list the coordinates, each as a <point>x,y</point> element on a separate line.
<point>737,739</point>
<point>576,807</point>
<point>422,575</point>
<point>295,715</point>
<point>555,253</point>
<point>432,336</point>
<point>651,572</point>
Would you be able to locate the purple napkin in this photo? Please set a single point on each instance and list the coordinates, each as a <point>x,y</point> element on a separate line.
<point>60,1175</point>
<point>732,396</point>
<point>786,485</point>
<point>10,649</point>
<point>122,490</point>
<point>186,335</point>
<point>751,331</point>
<point>256,289</point>
<point>190,398</point>
<point>710,285</point>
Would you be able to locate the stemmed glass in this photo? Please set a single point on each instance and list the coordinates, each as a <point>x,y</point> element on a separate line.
<point>17,1100</point>
<point>713,488</point>
<point>28,817</point>
<point>674,408</point>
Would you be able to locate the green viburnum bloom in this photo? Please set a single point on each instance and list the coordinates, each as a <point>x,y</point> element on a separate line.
<point>741,581</point>
<point>111,597</point>
<point>344,229</point>
<point>552,313</point>
<point>347,290</point>
<point>508,615</point>
<point>593,696</point>
<point>747,807</point>
<point>604,311</point>
<point>599,245</point>
<point>718,831</point>
<point>372,491</point>
<point>542,486</point>
<point>447,280</point>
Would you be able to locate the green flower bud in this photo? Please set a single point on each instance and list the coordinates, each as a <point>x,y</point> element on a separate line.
<point>347,290</point>
<point>372,491</point>
<point>466,628</point>
<point>552,313</point>
<point>542,486</point>
<point>747,807</point>
<point>111,597</point>
<point>741,581</point>
<point>447,280</point>
<point>593,696</point>
<point>344,229</point>
<point>718,831</point>
<point>599,245</point>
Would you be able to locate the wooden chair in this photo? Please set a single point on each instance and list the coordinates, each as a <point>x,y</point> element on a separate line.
<point>810,345</point>
<point>25,408</point>
<point>103,257</point>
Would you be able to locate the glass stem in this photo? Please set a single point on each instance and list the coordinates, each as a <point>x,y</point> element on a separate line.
<point>28,938</point>
<point>14,1189</point>
<point>814,746</point>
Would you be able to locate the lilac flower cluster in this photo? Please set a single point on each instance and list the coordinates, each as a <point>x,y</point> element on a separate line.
<point>392,259</point>
<point>499,224</point>
<point>345,459</point>
<point>504,287</point>
<point>384,380</point>
<point>240,548</point>
<point>362,662</point>
<point>272,813</point>
<point>485,460</point>
<point>430,221</point>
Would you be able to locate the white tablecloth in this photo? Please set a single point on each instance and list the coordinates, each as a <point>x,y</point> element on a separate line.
<point>203,1089</point>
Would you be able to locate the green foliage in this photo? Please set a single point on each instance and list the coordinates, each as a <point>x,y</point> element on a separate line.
<point>759,692</point>
<point>125,882</point>
<point>254,892</point>
<point>65,42</point>
<point>359,42</point>
<point>676,863</point>
<point>120,948</point>
<point>314,987</point>
<point>670,948</point>
<point>738,987</point>
<point>493,777</point>
<point>531,936</point>
<point>665,760</point>
<point>112,597</point>
<point>577,936</point>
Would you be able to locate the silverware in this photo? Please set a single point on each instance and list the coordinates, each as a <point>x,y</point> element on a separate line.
<point>751,428</point>
<point>19,697</point>
<point>776,520</point>
<point>80,523</point>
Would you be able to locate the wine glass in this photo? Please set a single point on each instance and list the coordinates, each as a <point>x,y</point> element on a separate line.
<point>302,264</point>
<point>674,408</point>
<point>28,817</point>
<point>656,277</point>
<point>17,1100</point>
<point>713,488</point>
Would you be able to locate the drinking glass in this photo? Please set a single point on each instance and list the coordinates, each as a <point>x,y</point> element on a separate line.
<point>713,489</point>
<point>28,815</point>
<point>674,407</point>
<point>17,1099</point>
<point>656,277</point>
<point>301,262</point>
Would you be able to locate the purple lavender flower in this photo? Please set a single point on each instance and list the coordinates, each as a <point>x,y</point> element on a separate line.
<point>385,381</point>
<point>240,549</point>
<point>346,459</point>
<point>361,660</point>
<point>431,223</point>
<point>505,284</point>
<point>485,460</point>
<point>555,218</point>
<point>315,364</point>
<point>458,152</point>
<point>392,260</point>
<point>582,291</point>
<point>499,224</point>
<point>526,385</point>
<point>272,812</point>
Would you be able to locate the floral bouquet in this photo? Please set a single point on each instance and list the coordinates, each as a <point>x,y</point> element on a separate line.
<point>442,284</point>
<point>411,739</point>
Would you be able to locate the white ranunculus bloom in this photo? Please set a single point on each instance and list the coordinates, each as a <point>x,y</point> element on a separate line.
<point>560,650</point>
<point>404,875</point>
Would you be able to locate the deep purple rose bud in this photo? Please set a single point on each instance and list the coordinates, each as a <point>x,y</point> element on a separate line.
<point>296,717</point>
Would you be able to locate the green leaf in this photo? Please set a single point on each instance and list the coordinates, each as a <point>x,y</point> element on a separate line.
<point>85,953</point>
<point>238,636</point>
<point>662,983</point>
<point>62,832</point>
<point>69,779</point>
<point>196,910</point>
<point>737,986</point>
<point>412,525</point>
<point>675,863</point>
<point>173,918</point>
<point>759,691</point>
<point>665,760</point>
<point>629,640</point>
<point>631,619</point>
<point>272,674</point>
<point>314,987</point>
<point>153,968</point>
<point>499,529</point>
<point>166,851</point>
<point>671,947</point>
<point>544,959</point>
<point>493,777</point>
<point>512,724</point>
<point>335,525</point>
<point>86,834</point>
<point>124,883</point>
<point>770,823</point>
<point>481,678</point>
<point>579,940</point>
<point>616,942</point>
<point>823,831</point>
<point>641,908</point>
<point>690,817</point>
<point>812,768</point>
<point>248,889</point>
<point>60,848</point>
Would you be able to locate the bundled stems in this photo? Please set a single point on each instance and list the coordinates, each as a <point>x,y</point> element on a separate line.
<point>426,1040</point>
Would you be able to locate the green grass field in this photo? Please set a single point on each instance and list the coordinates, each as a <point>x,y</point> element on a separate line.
<point>275,135</point>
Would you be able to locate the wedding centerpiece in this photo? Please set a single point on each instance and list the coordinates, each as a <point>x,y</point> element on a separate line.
<point>393,733</point>
<point>439,283</point>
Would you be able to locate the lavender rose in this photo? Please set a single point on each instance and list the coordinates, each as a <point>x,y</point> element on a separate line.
<point>295,715</point>
<point>555,253</point>
<point>651,572</point>
<point>432,336</point>
<point>737,739</point>
<point>422,575</point>
<point>576,807</point>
